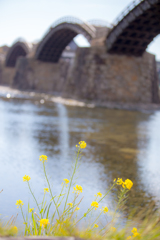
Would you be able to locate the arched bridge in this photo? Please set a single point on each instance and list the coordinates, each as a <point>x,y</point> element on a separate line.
<point>19,48</point>
<point>60,35</point>
<point>135,28</point>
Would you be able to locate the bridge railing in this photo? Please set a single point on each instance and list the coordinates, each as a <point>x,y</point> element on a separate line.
<point>69,19</point>
<point>126,11</point>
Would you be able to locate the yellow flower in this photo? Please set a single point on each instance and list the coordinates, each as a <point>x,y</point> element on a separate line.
<point>44,222</point>
<point>95,204</point>
<point>46,189</point>
<point>129,237</point>
<point>134,230</point>
<point>120,181</point>
<point>31,209</point>
<point>136,234</point>
<point>70,204</point>
<point>113,229</point>
<point>128,183</point>
<point>66,180</point>
<point>19,203</point>
<point>26,178</point>
<point>14,230</point>
<point>82,144</point>
<point>105,209</point>
<point>77,208</point>
<point>78,189</point>
<point>43,158</point>
<point>95,225</point>
<point>114,180</point>
<point>99,194</point>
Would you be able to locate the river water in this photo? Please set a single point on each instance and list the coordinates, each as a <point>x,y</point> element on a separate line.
<point>119,144</point>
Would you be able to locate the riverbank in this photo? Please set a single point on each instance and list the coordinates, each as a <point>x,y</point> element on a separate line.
<point>8,92</point>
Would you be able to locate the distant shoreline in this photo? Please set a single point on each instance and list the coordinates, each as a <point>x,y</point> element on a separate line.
<point>43,97</point>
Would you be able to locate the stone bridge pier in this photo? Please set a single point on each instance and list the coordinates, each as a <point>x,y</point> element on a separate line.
<point>94,75</point>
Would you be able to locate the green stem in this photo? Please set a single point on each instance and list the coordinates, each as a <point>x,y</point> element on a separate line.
<point>34,197</point>
<point>90,209</point>
<point>107,193</point>
<point>42,204</point>
<point>50,189</point>
<point>74,171</point>
<point>24,220</point>
<point>85,214</point>
<point>97,218</point>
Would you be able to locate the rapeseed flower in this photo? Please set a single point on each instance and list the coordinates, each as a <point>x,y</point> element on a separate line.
<point>78,189</point>
<point>46,190</point>
<point>77,208</point>
<point>26,178</point>
<point>105,209</point>
<point>66,180</point>
<point>70,204</point>
<point>43,158</point>
<point>31,209</point>
<point>99,194</point>
<point>128,183</point>
<point>44,222</point>
<point>135,233</point>
<point>95,204</point>
<point>82,144</point>
<point>120,181</point>
<point>96,225</point>
<point>19,203</point>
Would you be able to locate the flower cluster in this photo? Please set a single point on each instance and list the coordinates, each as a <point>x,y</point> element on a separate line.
<point>70,204</point>
<point>99,194</point>
<point>95,204</point>
<point>43,158</point>
<point>96,225</point>
<point>78,189</point>
<point>26,178</point>
<point>66,180</point>
<point>135,234</point>
<point>19,203</point>
<point>104,209</point>
<point>44,222</point>
<point>125,184</point>
<point>31,209</point>
<point>46,190</point>
<point>82,144</point>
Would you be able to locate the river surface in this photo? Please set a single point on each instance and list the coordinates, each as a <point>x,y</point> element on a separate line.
<point>120,143</point>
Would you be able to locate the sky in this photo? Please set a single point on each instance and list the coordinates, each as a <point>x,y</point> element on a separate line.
<point>30,19</point>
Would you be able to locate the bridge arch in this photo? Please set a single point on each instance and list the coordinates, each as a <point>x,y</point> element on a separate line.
<point>16,50</point>
<point>60,35</point>
<point>135,28</point>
